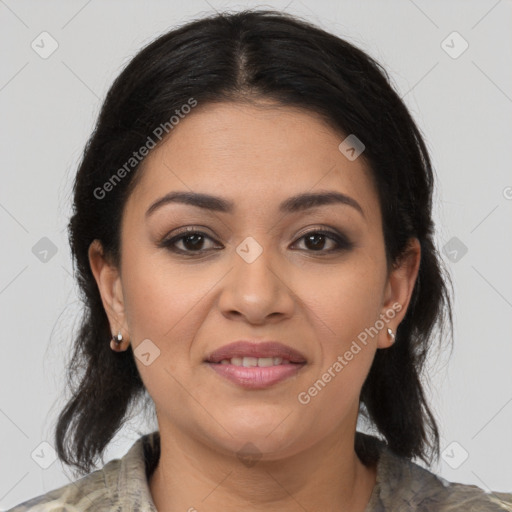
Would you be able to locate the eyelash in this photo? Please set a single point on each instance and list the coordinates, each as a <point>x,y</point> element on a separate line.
<point>343,244</point>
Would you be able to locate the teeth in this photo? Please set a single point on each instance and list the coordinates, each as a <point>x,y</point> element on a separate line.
<point>265,361</point>
<point>249,362</point>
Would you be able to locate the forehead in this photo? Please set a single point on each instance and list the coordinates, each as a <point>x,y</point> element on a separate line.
<point>253,155</point>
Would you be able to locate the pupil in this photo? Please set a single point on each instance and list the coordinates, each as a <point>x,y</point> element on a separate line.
<point>195,244</point>
<point>317,236</point>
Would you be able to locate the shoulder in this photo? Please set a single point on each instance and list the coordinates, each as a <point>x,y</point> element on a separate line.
<point>86,494</point>
<point>403,485</point>
<point>119,482</point>
<point>427,491</point>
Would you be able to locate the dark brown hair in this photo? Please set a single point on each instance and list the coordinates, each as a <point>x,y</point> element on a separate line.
<point>239,57</point>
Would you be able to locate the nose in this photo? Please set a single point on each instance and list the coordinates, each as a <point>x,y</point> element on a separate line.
<point>256,289</point>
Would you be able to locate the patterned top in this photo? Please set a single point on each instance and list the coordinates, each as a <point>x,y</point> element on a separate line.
<point>402,486</point>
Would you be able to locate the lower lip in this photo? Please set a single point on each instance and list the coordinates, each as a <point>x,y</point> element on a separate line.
<point>256,377</point>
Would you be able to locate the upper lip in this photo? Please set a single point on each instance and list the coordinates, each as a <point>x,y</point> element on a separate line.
<point>245,348</point>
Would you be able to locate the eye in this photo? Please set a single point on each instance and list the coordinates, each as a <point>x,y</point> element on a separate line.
<point>192,241</point>
<point>315,241</point>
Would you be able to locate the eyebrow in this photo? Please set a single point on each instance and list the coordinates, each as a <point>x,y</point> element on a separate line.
<point>293,204</point>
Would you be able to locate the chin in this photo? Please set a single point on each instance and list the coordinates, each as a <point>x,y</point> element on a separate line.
<point>257,432</point>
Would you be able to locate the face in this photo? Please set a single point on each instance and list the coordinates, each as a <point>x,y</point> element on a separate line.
<point>194,279</point>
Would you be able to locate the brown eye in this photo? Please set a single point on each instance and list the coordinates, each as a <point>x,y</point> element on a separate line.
<point>316,241</point>
<point>191,242</point>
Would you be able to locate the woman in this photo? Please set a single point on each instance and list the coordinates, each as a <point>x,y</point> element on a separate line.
<point>253,233</point>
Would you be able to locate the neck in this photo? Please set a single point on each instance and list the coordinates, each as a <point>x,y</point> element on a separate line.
<point>327,476</point>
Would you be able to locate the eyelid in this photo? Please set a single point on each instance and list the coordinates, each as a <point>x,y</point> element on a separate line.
<point>340,238</point>
<point>169,240</point>
<point>342,241</point>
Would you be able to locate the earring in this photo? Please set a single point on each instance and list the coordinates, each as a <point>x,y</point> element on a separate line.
<point>390,332</point>
<point>115,342</point>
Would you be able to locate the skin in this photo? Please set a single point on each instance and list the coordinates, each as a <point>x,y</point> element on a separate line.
<point>295,292</point>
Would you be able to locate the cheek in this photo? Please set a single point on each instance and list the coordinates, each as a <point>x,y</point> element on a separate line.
<point>343,302</point>
<point>160,298</point>
<point>162,305</point>
<point>346,298</point>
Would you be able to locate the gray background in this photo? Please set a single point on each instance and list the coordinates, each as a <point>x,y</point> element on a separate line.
<point>463,106</point>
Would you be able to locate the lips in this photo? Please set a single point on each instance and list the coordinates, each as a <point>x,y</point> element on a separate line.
<point>260,349</point>
<point>256,365</point>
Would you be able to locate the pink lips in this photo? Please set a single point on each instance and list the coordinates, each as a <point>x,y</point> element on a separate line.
<point>256,377</point>
<point>256,349</point>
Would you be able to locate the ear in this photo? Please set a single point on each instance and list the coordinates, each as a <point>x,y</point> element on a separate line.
<point>398,291</point>
<point>109,283</point>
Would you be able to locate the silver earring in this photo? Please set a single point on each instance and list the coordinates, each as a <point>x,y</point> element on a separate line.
<point>390,332</point>
<point>116,341</point>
